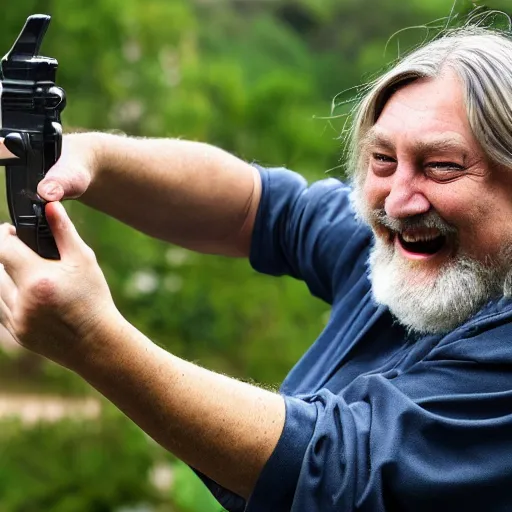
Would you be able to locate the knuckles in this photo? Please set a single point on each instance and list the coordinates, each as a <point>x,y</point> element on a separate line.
<point>42,290</point>
<point>7,230</point>
<point>89,255</point>
<point>8,241</point>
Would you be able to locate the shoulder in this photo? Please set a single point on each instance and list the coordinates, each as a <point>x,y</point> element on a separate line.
<point>288,192</point>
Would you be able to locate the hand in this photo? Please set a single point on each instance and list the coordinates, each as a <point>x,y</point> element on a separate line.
<point>70,177</point>
<point>53,307</point>
<point>4,152</point>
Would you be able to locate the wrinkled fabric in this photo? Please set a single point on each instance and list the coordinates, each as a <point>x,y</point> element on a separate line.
<point>377,420</point>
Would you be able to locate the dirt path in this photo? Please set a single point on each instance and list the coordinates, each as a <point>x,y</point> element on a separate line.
<point>33,408</point>
<point>36,408</point>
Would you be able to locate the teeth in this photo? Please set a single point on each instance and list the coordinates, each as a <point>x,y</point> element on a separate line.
<point>423,235</point>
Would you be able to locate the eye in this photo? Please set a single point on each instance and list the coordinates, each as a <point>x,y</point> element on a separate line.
<point>444,171</point>
<point>446,166</point>
<point>380,157</point>
<point>382,165</point>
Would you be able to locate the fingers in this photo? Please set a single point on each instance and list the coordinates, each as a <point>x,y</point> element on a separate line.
<point>18,259</point>
<point>15,256</point>
<point>66,236</point>
<point>4,152</point>
<point>7,289</point>
<point>8,303</point>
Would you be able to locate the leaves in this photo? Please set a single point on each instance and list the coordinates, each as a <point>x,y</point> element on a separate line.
<point>256,78</point>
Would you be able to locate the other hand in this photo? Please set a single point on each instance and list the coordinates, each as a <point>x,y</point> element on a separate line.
<point>53,307</point>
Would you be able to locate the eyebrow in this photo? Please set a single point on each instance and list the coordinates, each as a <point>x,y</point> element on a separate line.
<point>441,144</point>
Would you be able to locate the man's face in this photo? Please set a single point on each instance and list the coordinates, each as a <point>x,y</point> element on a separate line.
<point>442,216</point>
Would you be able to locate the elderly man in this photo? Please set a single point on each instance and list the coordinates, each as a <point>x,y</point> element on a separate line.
<point>404,402</point>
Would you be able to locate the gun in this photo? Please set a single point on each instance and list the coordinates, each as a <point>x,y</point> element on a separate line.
<point>30,107</point>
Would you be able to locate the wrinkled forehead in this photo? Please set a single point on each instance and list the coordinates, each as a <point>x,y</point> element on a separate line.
<point>427,114</point>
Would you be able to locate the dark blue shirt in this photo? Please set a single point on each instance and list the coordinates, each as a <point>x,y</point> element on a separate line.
<point>377,420</point>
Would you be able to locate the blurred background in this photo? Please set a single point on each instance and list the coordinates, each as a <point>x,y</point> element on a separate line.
<point>269,80</point>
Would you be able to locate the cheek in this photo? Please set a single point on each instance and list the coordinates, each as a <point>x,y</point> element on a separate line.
<point>475,216</point>
<point>373,191</point>
<point>459,206</point>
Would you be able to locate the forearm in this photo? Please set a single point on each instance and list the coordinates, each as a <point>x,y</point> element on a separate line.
<point>188,193</point>
<point>224,428</point>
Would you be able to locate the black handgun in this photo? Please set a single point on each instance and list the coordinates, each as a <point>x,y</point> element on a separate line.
<point>30,107</point>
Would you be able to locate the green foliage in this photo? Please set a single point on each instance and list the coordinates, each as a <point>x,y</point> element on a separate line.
<point>190,495</point>
<point>256,78</point>
<point>74,466</point>
<point>24,372</point>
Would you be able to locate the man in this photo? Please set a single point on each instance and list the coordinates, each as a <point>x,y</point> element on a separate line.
<point>404,401</point>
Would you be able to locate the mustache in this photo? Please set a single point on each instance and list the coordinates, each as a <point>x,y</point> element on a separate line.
<point>430,219</point>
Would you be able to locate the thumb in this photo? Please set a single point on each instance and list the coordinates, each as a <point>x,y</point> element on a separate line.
<point>50,187</point>
<point>66,236</point>
<point>4,152</point>
<point>64,181</point>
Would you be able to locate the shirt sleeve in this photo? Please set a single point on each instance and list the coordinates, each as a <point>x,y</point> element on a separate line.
<point>307,232</point>
<point>435,437</point>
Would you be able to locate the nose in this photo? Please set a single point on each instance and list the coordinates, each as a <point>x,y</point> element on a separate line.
<point>405,198</point>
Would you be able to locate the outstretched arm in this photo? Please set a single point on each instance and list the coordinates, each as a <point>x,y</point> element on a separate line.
<point>188,193</point>
<point>63,310</point>
<point>225,428</point>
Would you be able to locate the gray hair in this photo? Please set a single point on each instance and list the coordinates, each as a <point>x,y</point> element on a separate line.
<point>482,59</point>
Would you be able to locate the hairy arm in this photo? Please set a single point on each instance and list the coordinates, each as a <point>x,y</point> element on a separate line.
<point>224,428</point>
<point>63,310</point>
<point>188,193</point>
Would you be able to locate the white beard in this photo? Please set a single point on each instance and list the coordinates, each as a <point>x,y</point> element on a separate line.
<point>427,303</point>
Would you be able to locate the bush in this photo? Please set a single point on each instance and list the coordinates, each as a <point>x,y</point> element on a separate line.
<point>75,466</point>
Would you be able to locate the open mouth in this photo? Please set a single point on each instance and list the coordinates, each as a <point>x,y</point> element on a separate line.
<point>421,243</point>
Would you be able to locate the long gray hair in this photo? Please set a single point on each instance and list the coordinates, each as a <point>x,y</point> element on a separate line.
<point>482,59</point>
